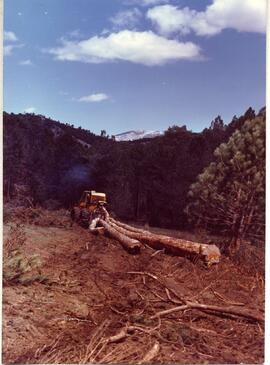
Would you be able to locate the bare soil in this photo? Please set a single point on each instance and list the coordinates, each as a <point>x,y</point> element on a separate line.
<point>89,295</point>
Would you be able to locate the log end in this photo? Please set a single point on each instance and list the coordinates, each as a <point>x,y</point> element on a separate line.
<point>134,249</point>
<point>211,254</point>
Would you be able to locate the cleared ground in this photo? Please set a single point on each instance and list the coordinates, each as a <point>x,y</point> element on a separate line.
<point>87,294</point>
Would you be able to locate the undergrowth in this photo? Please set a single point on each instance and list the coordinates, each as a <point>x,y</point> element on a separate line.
<point>17,267</point>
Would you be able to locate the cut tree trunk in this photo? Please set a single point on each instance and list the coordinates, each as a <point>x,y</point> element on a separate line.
<point>131,245</point>
<point>131,237</point>
<point>176,246</point>
<point>127,227</point>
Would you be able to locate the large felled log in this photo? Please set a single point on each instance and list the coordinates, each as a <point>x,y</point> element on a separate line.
<point>131,245</point>
<point>176,246</point>
<point>126,226</point>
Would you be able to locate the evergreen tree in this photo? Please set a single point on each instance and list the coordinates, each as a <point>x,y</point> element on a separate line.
<point>229,196</point>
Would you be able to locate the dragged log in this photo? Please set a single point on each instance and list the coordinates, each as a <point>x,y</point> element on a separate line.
<point>126,226</point>
<point>107,215</point>
<point>209,253</point>
<point>131,245</point>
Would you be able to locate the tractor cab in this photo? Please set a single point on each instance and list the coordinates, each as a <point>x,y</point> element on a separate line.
<point>92,198</point>
<point>90,207</point>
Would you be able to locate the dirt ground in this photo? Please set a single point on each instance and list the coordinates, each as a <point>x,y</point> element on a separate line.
<point>94,289</point>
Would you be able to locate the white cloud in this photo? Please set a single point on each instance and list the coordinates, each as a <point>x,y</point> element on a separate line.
<point>145,48</point>
<point>126,18</point>
<point>240,15</point>
<point>31,109</point>
<point>8,49</point>
<point>10,43</point>
<point>26,63</point>
<point>10,37</point>
<point>94,98</point>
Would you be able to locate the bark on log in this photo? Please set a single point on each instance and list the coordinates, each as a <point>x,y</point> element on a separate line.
<point>176,246</point>
<point>107,215</point>
<point>127,227</point>
<point>131,245</point>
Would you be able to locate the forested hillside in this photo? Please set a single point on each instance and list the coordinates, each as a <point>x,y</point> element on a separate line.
<point>50,163</point>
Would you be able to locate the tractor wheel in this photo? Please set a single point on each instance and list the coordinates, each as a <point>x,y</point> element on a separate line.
<point>75,214</point>
<point>84,218</point>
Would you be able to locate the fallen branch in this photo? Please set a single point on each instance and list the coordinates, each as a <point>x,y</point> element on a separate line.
<point>119,336</point>
<point>213,308</point>
<point>226,300</point>
<point>125,331</point>
<point>157,252</point>
<point>165,285</point>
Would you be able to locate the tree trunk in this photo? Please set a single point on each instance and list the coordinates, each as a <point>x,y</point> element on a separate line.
<point>127,227</point>
<point>176,246</point>
<point>131,245</point>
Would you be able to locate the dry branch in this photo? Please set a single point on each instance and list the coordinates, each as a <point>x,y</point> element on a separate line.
<point>193,305</point>
<point>213,308</point>
<point>162,282</point>
<point>125,331</point>
<point>119,336</point>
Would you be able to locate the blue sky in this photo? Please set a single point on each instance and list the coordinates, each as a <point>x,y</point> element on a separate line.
<point>121,65</point>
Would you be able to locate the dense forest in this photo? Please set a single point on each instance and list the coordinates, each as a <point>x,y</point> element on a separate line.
<point>50,163</point>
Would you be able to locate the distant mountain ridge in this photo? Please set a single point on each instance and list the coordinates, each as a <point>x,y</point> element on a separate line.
<point>139,134</point>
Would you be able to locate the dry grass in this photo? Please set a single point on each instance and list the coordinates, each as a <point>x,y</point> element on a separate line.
<point>37,216</point>
<point>99,349</point>
<point>17,268</point>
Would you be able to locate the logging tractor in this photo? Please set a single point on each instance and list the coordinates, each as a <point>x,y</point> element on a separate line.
<point>89,208</point>
<point>91,213</point>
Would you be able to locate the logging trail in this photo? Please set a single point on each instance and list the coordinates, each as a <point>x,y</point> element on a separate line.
<point>100,304</point>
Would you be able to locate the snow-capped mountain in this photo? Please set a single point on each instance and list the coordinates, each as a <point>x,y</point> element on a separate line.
<point>133,135</point>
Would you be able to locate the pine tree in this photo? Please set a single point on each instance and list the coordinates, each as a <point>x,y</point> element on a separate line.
<point>229,196</point>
